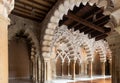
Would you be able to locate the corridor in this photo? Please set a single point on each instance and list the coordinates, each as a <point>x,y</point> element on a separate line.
<point>60,41</point>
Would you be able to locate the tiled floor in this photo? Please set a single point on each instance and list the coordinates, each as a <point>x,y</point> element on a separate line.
<point>108,80</point>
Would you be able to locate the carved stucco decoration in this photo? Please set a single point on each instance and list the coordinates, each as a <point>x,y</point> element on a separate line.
<point>52,20</point>
<point>70,41</point>
<point>6,6</point>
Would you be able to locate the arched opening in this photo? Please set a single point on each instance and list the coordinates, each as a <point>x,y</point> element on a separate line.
<point>97,70</point>
<point>71,68</point>
<point>52,24</point>
<point>65,67</point>
<point>77,68</point>
<point>107,67</point>
<point>20,64</point>
<point>59,66</point>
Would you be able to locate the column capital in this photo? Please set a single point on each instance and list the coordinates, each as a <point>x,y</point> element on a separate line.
<point>46,59</point>
<point>6,6</point>
<point>103,61</point>
<point>90,60</point>
<point>73,58</point>
<point>110,60</point>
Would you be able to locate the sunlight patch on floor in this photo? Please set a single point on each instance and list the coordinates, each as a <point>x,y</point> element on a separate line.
<point>78,79</point>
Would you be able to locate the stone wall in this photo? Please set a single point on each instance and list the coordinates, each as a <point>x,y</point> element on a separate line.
<point>114,42</point>
<point>19,23</point>
<point>19,59</point>
<point>27,29</point>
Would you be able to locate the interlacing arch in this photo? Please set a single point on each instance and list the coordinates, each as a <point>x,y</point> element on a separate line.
<point>58,13</point>
<point>69,43</point>
<point>62,55</point>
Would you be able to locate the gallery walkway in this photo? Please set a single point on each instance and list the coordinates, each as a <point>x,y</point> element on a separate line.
<point>95,79</point>
<point>107,80</point>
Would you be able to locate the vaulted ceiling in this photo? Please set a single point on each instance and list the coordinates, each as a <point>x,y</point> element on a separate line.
<point>33,9</point>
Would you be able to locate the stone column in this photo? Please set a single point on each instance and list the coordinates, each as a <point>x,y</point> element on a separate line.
<point>73,68</point>
<point>36,70</point>
<point>79,69</point>
<point>62,69</point>
<point>54,69</point>
<point>110,62</point>
<point>90,69</point>
<point>39,69</point>
<point>5,8</point>
<point>47,69</point>
<point>82,68</point>
<point>103,68</point>
<point>68,68</point>
<point>85,68</point>
<point>33,66</point>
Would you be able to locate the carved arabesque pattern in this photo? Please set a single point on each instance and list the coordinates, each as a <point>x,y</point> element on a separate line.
<point>62,7</point>
<point>69,43</point>
<point>6,7</point>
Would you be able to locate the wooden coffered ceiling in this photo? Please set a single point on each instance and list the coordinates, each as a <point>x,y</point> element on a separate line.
<point>33,9</point>
<point>87,19</point>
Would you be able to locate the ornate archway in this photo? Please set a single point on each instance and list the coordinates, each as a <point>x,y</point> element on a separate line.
<point>35,58</point>
<point>53,18</point>
<point>59,11</point>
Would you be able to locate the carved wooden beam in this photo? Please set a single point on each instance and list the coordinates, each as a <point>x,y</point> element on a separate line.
<point>99,11</point>
<point>25,15</point>
<point>84,22</point>
<point>30,4</point>
<point>102,36</point>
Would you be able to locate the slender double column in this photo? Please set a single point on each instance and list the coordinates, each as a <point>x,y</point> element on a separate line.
<point>47,69</point>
